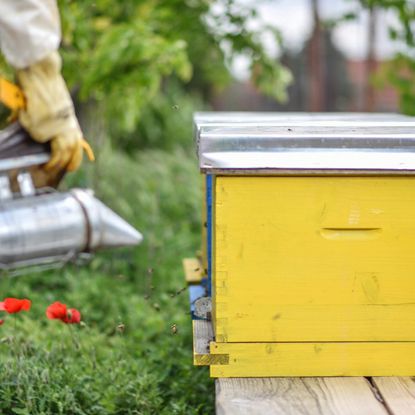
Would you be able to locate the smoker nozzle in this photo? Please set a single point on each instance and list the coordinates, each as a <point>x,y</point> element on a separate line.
<point>52,228</point>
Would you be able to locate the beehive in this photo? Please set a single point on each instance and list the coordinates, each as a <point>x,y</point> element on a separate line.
<point>309,244</point>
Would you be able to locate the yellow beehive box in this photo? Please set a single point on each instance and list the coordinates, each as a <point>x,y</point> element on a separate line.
<point>310,248</point>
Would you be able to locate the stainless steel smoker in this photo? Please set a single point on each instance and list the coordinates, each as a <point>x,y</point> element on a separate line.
<point>44,227</point>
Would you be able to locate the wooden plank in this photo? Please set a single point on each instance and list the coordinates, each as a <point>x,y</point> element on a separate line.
<point>299,396</point>
<point>202,337</point>
<point>314,259</point>
<point>315,359</point>
<point>398,394</point>
<point>193,270</point>
<point>274,322</point>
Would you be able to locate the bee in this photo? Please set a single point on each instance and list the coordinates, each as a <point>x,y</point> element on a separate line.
<point>173,329</point>
<point>178,292</point>
<point>121,328</point>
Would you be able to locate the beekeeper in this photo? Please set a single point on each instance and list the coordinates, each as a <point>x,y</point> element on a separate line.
<point>29,39</point>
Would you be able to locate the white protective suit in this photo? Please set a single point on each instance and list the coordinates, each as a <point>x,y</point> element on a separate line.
<point>29,30</point>
<point>30,35</point>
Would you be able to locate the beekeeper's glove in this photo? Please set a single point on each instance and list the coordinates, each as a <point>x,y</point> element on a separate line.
<point>49,114</point>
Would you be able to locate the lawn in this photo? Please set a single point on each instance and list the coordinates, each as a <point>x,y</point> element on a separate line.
<point>124,358</point>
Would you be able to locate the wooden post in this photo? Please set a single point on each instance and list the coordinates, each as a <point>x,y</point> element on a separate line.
<point>316,60</point>
<point>369,97</point>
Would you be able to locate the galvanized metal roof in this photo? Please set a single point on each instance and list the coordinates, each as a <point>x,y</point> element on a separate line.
<point>301,143</point>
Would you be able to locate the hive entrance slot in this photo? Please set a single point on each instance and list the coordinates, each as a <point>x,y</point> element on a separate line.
<point>350,233</point>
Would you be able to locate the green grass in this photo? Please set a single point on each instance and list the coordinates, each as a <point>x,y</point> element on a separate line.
<point>49,368</point>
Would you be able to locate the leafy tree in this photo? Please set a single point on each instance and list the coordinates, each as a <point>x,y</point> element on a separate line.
<point>400,71</point>
<point>126,55</point>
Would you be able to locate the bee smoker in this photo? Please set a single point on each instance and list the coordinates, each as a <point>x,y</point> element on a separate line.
<point>44,227</point>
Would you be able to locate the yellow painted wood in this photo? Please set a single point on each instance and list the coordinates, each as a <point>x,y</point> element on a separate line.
<point>274,322</point>
<point>315,359</point>
<point>314,259</point>
<point>193,270</point>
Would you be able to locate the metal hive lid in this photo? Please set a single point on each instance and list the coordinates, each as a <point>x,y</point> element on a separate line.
<point>300,143</point>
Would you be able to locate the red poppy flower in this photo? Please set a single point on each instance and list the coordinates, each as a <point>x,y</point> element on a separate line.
<point>1,322</point>
<point>59,311</point>
<point>73,316</point>
<point>56,310</point>
<point>15,305</point>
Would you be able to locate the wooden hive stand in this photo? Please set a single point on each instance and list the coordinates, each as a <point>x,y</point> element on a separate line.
<point>303,396</point>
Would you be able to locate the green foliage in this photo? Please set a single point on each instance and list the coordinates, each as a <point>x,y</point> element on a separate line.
<point>166,122</point>
<point>101,368</point>
<point>400,72</point>
<point>125,54</point>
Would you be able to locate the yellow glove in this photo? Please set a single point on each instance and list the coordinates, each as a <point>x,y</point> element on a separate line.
<point>49,114</point>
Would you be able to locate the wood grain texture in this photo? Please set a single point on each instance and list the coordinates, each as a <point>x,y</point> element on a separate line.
<point>318,323</point>
<point>300,396</point>
<point>314,259</point>
<point>193,270</point>
<point>202,336</point>
<point>398,394</point>
<point>315,359</point>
